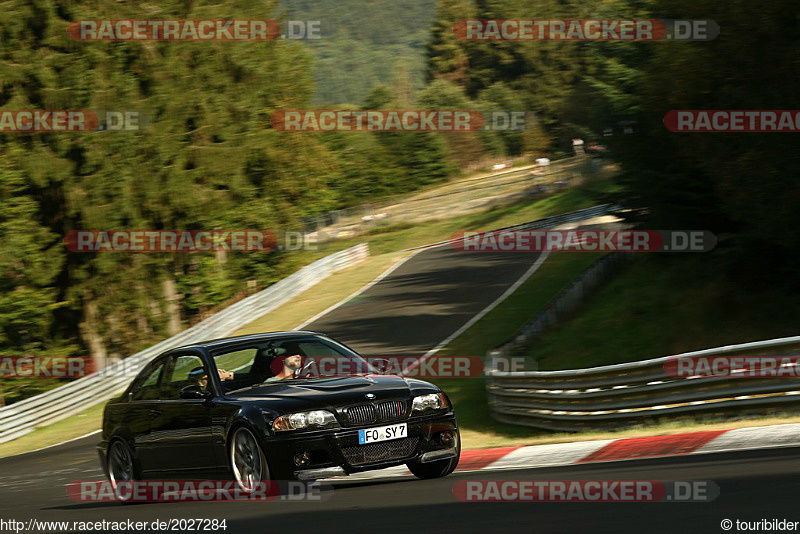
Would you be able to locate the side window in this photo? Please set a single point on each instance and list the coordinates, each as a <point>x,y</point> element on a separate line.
<point>240,361</point>
<point>147,385</point>
<point>185,370</point>
<point>317,349</point>
<point>243,367</point>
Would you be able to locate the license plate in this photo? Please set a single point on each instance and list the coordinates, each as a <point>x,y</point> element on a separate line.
<point>382,433</point>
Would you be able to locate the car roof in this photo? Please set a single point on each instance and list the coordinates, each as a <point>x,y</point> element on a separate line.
<point>223,342</point>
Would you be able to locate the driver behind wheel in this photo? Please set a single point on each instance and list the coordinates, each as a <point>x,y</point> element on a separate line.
<point>286,367</point>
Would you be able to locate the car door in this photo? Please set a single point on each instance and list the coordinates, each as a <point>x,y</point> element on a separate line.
<point>181,428</point>
<point>143,403</point>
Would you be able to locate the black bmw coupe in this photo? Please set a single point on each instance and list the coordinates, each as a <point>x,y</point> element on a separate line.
<point>245,409</point>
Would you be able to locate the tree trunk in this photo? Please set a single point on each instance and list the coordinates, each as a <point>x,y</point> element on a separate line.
<point>97,348</point>
<point>172,299</point>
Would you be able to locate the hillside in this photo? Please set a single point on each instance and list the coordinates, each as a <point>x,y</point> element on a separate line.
<point>363,46</point>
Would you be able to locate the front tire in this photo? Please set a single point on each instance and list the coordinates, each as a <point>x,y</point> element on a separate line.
<point>438,469</point>
<point>248,463</point>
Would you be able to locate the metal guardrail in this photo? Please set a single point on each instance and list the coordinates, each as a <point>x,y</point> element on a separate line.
<point>336,217</point>
<point>22,417</point>
<point>616,396</point>
<point>463,196</point>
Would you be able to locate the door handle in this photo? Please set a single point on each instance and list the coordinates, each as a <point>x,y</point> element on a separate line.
<point>155,413</point>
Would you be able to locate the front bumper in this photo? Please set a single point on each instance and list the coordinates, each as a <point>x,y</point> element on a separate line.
<point>337,452</point>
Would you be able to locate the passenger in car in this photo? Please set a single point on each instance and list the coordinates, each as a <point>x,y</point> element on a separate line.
<point>198,375</point>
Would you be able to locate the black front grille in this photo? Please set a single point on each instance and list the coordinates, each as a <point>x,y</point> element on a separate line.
<point>381,452</point>
<point>391,411</point>
<point>363,413</point>
<point>383,412</point>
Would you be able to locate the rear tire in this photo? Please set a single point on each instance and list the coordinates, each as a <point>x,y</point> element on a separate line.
<point>438,469</point>
<point>247,461</point>
<point>121,470</point>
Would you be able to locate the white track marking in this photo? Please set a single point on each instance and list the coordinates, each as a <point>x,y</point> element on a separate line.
<point>54,445</point>
<point>522,279</point>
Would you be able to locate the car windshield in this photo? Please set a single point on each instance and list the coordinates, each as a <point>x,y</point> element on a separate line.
<point>289,358</point>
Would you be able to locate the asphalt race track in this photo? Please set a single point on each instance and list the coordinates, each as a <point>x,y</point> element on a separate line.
<point>409,312</point>
<point>753,486</point>
<point>423,301</point>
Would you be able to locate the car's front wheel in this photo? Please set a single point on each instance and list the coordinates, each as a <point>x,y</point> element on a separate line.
<point>439,468</point>
<point>248,463</point>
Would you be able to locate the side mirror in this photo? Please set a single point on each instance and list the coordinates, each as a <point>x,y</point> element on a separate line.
<point>194,391</point>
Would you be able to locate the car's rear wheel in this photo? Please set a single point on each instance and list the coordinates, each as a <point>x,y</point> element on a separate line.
<point>437,469</point>
<point>121,470</point>
<point>248,463</point>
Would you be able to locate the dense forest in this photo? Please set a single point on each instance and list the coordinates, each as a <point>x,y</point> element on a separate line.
<point>362,45</point>
<point>741,186</point>
<point>210,160</point>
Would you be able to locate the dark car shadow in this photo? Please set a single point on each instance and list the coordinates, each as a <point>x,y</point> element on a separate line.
<point>344,484</point>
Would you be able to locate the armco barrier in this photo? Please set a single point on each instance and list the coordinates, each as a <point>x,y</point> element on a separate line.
<point>615,396</point>
<point>507,186</point>
<point>22,417</point>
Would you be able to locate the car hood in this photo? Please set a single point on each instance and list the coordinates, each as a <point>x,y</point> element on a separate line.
<point>291,395</point>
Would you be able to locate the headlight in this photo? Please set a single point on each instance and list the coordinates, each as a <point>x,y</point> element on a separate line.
<point>423,403</point>
<point>298,421</point>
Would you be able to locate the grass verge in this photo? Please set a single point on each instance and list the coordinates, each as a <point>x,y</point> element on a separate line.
<point>468,395</point>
